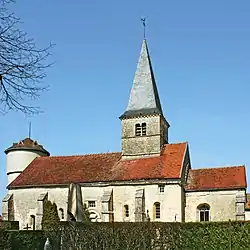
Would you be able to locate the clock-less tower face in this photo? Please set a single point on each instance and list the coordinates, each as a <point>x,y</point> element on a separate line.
<point>146,143</point>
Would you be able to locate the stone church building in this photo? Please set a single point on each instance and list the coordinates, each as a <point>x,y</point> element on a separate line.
<point>150,179</point>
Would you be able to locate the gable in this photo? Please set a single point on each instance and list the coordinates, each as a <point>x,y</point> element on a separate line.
<point>108,167</point>
<point>186,165</point>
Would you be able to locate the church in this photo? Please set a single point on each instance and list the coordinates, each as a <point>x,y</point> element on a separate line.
<point>151,179</point>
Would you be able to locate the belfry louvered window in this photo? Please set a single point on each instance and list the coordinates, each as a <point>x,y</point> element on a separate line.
<point>143,128</point>
<point>140,129</point>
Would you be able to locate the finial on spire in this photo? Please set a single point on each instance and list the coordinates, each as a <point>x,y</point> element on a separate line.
<point>29,129</point>
<point>143,20</point>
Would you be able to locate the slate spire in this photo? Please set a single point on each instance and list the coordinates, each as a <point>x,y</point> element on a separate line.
<point>144,98</point>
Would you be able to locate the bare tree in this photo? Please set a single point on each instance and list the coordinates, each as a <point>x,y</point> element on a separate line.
<point>22,65</point>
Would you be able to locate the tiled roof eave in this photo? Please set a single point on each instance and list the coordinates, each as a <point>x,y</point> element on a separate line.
<point>141,112</point>
<point>214,189</point>
<point>167,181</point>
<point>10,149</point>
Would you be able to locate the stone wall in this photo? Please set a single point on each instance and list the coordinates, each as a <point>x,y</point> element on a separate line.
<point>150,144</point>
<point>170,200</point>
<point>26,203</point>
<point>247,215</point>
<point>222,204</point>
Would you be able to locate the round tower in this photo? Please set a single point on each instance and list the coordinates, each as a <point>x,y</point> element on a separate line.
<point>20,155</point>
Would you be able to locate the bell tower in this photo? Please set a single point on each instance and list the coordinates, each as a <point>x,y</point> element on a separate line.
<point>144,127</point>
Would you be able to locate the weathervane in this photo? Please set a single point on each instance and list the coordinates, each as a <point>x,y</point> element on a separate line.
<point>143,20</point>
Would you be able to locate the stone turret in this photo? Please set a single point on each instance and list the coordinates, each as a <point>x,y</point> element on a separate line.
<point>20,155</point>
<point>144,127</point>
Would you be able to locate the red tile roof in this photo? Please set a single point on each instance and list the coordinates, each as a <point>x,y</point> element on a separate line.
<point>216,178</point>
<point>248,202</point>
<point>102,167</point>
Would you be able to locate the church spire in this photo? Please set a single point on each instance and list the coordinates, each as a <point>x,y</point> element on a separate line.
<point>144,98</point>
<point>144,127</point>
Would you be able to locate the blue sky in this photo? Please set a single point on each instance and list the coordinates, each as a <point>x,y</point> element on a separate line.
<point>200,52</point>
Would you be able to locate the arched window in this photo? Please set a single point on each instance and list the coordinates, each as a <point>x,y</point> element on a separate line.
<point>203,212</point>
<point>157,210</point>
<point>33,222</point>
<point>126,211</point>
<point>94,216</point>
<point>61,213</point>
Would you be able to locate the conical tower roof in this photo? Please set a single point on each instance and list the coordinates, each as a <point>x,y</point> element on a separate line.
<point>144,98</point>
<point>27,144</point>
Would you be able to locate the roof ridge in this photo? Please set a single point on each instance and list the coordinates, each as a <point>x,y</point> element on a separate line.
<point>220,167</point>
<point>62,156</point>
<point>106,153</point>
<point>176,143</point>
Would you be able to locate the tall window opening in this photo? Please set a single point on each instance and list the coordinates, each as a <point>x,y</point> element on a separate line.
<point>204,212</point>
<point>157,210</point>
<point>33,222</point>
<point>126,211</point>
<point>61,213</point>
<point>140,129</point>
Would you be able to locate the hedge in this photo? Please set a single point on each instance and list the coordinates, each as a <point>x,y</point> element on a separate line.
<point>150,235</point>
<point>134,236</point>
<point>26,240</point>
<point>8,225</point>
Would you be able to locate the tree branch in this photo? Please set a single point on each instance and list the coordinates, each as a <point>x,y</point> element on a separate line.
<point>22,65</point>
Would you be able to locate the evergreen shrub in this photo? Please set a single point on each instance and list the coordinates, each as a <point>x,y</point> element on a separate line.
<point>134,236</point>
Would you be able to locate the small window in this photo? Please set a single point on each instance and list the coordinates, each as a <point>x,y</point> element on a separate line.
<point>161,188</point>
<point>157,210</point>
<point>126,211</point>
<point>204,211</point>
<point>91,203</point>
